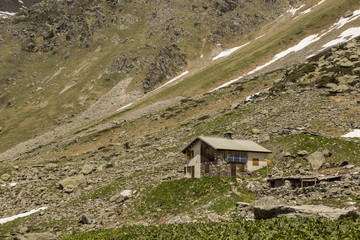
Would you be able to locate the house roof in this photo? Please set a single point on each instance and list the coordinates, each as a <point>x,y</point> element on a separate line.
<point>230,144</point>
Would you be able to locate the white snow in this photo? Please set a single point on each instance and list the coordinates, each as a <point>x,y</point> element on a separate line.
<point>248,98</point>
<point>10,184</point>
<point>6,14</point>
<point>355,133</point>
<point>345,36</point>
<point>228,52</point>
<point>294,10</point>
<point>301,45</point>
<point>173,80</point>
<point>259,37</point>
<point>123,107</point>
<point>310,9</point>
<point>8,219</point>
<point>227,83</point>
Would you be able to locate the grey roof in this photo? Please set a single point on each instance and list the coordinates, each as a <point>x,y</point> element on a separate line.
<point>230,144</point>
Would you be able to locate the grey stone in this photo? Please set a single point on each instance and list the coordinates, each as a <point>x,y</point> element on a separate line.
<point>126,193</point>
<point>316,160</point>
<point>5,177</point>
<point>302,153</point>
<point>84,220</point>
<point>308,211</point>
<point>345,63</point>
<point>180,219</point>
<point>297,166</point>
<point>71,183</point>
<point>213,217</point>
<point>242,204</point>
<point>326,153</point>
<point>348,14</point>
<point>40,236</point>
<point>87,169</point>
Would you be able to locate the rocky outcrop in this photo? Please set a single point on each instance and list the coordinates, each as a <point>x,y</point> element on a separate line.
<point>308,211</point>
<point>167,63</point>
<point>124,63</point>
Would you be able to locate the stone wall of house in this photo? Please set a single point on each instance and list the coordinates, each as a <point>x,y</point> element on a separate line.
<point>260,156</point>
<point>220,167</point>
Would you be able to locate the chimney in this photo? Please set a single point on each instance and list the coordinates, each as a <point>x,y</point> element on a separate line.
<point>228,135</point>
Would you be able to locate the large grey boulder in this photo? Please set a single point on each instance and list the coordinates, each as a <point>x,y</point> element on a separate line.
<point>316,160</point>
<point>70,183</point>
<point>308,211</point>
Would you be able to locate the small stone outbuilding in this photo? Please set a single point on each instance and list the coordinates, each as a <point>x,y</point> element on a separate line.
<point>215,156</point>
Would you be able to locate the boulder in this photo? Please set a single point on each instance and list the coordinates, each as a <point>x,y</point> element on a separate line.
<point>326,153</point>
<point>126,193</point>
<point>70,183</point>
<point>87,169</point>
<point>37,236</point>
<point>302,153</point>
<point>180,219</point>
<point>5,177</point>
<point>84,220</point>
<point>316,160</point>
<point>308,211</point>
<point>213,217</point>
<point>297,166</point>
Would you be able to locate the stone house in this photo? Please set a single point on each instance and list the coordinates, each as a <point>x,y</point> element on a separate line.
<point>214,156</point>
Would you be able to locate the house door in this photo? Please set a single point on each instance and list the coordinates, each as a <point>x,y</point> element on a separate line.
<point>233,169</point>
<point>192,171</point>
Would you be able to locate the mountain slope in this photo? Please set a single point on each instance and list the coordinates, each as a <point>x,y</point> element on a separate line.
<point>306,106</point>
<point>68,47</point>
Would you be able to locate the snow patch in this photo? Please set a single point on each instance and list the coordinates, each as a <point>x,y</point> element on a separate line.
<point>248,98</point>
<point>310,9</point>
<point>227,83</point>
<point>5,220</point>
<point>123,107</point>
<point>173,80</point>
<point>294,10</point>
<point>6,14</point>
<point>228,52</point>
<point>355,133</point>
<point>345,36</point>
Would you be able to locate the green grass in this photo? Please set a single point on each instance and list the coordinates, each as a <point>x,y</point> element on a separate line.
<point>281,228</point>
<point>341,148</point>
<point>187,194</point>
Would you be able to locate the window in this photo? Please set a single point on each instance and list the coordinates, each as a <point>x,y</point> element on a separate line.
<point>237,158</point>
<point>189,154</point>
<point>207,168</point>
<point>255,162</point>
